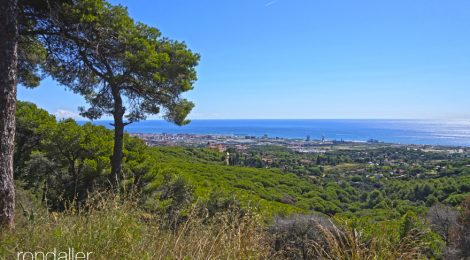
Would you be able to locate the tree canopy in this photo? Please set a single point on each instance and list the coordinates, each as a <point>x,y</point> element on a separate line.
<point>97,49</point>
<point>122,68</point>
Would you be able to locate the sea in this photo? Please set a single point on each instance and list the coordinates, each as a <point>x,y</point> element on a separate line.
<point>432,132</point>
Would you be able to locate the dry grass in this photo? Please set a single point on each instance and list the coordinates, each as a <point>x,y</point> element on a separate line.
<point>317,237</point>
<point>348,243</point>
<point>116,228</point>
<point>113,229</point>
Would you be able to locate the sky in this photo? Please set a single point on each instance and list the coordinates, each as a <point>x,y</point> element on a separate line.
<point>302,59</point>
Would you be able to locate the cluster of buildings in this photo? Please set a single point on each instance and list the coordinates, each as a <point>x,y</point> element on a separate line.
<point>221,142</point>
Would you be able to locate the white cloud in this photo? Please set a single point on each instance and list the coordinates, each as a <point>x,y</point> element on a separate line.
<point>268,4</point>
<point>64,114</point>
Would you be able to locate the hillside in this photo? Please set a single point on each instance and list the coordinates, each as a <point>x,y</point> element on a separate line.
<point>201,207</point>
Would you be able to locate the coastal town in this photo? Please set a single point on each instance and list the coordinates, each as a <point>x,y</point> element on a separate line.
<point>222,142</point>
<point>307,145</point>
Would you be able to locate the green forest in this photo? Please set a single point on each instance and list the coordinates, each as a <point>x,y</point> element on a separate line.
<point>62,171</point>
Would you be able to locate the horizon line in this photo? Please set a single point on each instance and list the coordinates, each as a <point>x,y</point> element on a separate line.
<point>292,119</point>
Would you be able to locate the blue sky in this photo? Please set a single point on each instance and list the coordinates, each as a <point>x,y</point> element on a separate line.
<point>312,59</point>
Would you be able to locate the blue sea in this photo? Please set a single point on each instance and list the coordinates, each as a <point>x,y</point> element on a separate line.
<point>452,133</point>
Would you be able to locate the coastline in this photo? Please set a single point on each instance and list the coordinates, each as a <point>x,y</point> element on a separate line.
<point>222,142</point>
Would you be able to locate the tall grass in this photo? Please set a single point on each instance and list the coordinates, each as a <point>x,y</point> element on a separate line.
<point>113,227</point>
<point>348,243</point>
<point>318,237</point>
<point>117,229</point>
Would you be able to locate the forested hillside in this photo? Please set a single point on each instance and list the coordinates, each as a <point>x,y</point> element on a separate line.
<point>62,169</point>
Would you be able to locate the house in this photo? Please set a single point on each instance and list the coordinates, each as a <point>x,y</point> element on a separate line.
<point>217,147</point>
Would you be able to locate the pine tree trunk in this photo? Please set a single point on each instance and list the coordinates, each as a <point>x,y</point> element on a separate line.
<point>8,74</point>
<point>116,159</point>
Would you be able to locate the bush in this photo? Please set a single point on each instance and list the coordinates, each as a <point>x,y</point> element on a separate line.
<point>462,235</point>
<point>172,199</point>
<point>443,220</point>
<point>298,236</point>
<point>219,203</point>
